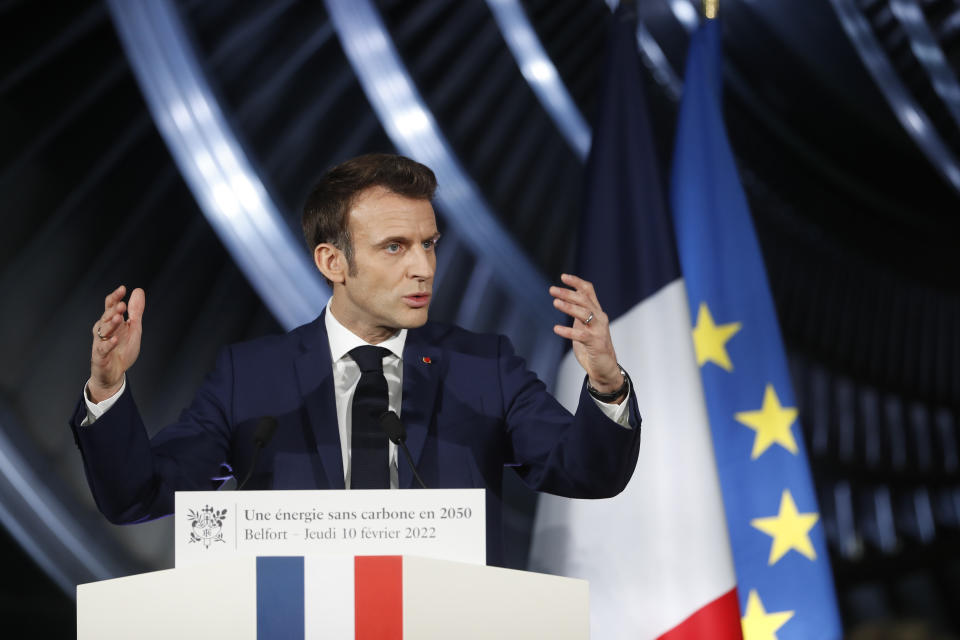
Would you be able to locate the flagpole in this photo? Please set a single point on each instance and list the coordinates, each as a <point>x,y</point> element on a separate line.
<point>711,8</point>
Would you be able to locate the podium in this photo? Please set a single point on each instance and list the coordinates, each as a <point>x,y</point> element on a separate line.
<point>362,597</point>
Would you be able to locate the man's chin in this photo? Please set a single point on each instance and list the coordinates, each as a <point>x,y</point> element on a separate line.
<point>414,318</point>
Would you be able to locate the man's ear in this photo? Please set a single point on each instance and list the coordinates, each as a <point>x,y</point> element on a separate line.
<point>331,262</point>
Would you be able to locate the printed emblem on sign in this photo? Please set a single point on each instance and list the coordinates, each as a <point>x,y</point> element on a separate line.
<point>206,526</point>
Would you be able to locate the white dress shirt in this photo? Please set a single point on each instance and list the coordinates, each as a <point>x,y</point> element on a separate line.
<point>346,375</point>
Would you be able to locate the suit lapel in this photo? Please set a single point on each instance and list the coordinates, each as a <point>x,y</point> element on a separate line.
<point>422,367</point>
<point>315,376</point>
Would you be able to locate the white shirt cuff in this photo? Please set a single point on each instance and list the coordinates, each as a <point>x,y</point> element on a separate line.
<point>619,413</point>
<point>97,409</point>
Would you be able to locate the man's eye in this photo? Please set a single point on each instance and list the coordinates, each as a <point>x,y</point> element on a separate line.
<point>393,247</point>
<point>429,244</point>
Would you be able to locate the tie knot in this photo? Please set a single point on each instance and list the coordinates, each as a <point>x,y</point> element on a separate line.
<point>369,358</point>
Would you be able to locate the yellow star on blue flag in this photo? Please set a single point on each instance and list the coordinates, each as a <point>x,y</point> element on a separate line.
<point>789,529</point>
<point>757,624</point>
<point>710,339</point>
<point>772,423</point>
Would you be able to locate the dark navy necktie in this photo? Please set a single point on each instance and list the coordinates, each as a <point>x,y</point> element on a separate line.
<point>370,464</point>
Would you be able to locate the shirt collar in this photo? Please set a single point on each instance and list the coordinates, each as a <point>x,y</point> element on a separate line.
<point>342,340</point>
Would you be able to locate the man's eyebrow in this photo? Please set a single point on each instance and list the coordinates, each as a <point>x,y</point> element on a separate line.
<point>405,239</point>
<point>392,239</point>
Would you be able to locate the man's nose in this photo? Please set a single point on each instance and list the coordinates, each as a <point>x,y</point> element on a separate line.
<point>422,264</point>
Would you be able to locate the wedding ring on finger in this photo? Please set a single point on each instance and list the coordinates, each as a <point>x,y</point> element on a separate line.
<point>589,319</point>
<point>100,335</point>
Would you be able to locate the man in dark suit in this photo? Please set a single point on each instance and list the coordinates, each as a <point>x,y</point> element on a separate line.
<point>468,402</point>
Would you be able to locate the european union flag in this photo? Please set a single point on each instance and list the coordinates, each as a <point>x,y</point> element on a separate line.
<point>779,550</point>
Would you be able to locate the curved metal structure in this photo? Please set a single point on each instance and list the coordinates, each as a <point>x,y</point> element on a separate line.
<point>38,519</point>
<point>686,12</point>
<point>928,52</point>
<point>912,117</point>
<point>654,58</point>
<point>212,161</point>
<point>541,74</point>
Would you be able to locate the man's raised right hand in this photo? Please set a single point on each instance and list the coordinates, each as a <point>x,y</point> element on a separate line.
<point>116,343</point>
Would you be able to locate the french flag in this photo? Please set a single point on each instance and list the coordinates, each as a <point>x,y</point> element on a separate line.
<point>658,556</point>
<point>396,597</point>
<point>349,597</point>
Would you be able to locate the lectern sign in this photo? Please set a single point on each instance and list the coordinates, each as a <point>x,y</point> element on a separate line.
<point>448,524</point>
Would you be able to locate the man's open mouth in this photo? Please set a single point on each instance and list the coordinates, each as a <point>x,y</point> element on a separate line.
<point>417,299</point>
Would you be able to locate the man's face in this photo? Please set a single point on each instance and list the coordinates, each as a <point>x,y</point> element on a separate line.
<point>394,261</point>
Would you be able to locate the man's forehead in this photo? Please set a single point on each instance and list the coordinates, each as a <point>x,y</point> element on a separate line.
<point>378,211</point>
<point>378,195</point>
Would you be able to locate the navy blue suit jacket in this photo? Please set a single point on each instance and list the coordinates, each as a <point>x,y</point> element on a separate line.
<point>470,407</point>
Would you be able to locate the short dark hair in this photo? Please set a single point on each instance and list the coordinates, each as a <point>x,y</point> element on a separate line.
<point>325,211</point>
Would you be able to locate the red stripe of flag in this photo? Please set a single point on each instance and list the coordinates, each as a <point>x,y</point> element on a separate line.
<point>718,620</point>
<point>378,593</point>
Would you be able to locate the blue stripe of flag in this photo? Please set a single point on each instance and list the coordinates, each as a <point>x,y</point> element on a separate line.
<point>280,608</point>
<point>626,246</point>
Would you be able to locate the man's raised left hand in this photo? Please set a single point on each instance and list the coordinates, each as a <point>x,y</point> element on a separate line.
<point>590,333</point>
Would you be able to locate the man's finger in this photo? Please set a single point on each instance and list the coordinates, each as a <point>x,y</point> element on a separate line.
<point>575,311</point>
<point>599,319</point>
<point>101,326</point>
<point>138,300</point>
<point>105,329</point>
<point>571,295</point>
<point>113,311</point>
<point>577,335</point>
<point>104,347</point>
<point>581,285</point>
<point>113,297</point>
